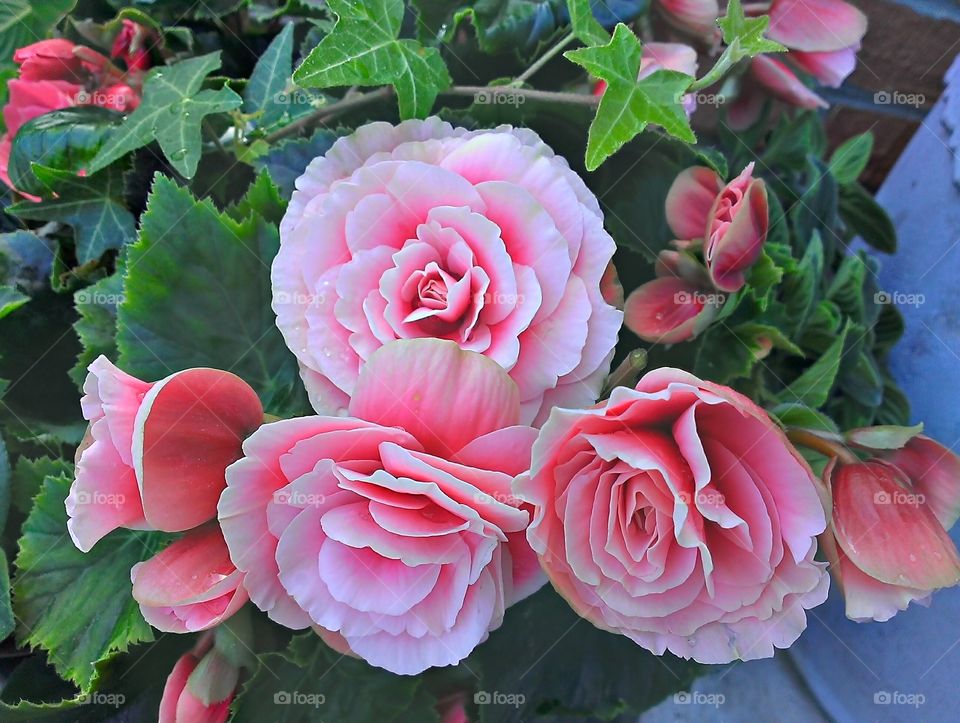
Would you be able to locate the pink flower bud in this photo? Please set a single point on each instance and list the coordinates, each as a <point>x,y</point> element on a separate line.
<point>156,452</point>
<point>200,687</point>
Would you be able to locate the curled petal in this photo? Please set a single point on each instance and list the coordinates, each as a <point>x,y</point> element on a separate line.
<point>689,200</point>
<point>816,25</point>
<point>934,472</point>
<point>782,83</point>
<point>735,247</point>
<point>830,68</point>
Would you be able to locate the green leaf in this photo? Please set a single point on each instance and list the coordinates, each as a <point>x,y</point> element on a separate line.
<point>850,158</point>
<point>7,621</point>
<point>585,26</point>
<point>288,160</point>
<point>744,36</point>
<point>64,139</point>
<point>97,325</point>
<point>866,217</point>
<point>93,206</point>
<point>6,485</point>
<point>77,606</point>
<point>752,331</point>
<point>171,112</point>
<point>723,356</point>
<point>884,436</point>
<point>28,477</point>
<point>11,300</point>
<point>262,198</point>
<point>364,49</point>
<point>23,22</point>
<point>557,664</point>
<point>310,681</point>
<point>628,105</point>
<point>189,304</point>
<point>265,91</point>
<point>814,385</point>
<point>800,289</point>
<point>800,415</point>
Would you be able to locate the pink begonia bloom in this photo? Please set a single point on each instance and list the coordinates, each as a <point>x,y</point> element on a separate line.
<point>191,585</point>
<point>697,17</point>
<point>679,515</point>
<point>56,74</point>
<point>485,238</point>
<point>200,687</point>
<point>670,310</point>
<point>155,453</point>
<point>394,529</point>
<point>732,220</point>
<point>888,541</point>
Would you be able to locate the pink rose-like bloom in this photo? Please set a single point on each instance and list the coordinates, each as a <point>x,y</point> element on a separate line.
<point>191,585</point>
<point>485,238</point>
<point>394,529</point>
<point>888,543</point>
<point>678,514</point>
<point>732,220</point>
<point>56,74</point>
<point>155,453</point>
<point>200,687</point>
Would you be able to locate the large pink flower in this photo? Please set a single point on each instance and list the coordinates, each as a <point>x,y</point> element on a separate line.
<point>678,515</point>
<point>394,532</point>
<point>485,238</point>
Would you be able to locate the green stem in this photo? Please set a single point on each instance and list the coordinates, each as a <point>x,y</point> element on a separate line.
<point>542,60</point>
<point>719,69</point>
<point>827,445</point>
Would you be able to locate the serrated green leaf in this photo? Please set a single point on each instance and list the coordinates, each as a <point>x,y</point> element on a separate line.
<point>264,92</point>
<point>92,206</point>
<point>585,26</point>
<point>364,48</point>
<point>628,105</point>
<point>28,477</point>
<point>23,22</point>
<point>262,198</point>
<point>64,139</point>
<point>309,681</point>
<point>850,158</point>
<point>77,606</point>
<point>218,314</point>
<point>861,212</point>
<point>171,112</point>
<point>11,300</point>
<point>814,385</point>
<point>97,325</point>
<point>7,621</point>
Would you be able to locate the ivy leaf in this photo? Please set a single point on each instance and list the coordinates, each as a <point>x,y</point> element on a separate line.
<point>63,139</point>
<point>288,160</point>
<point>23,22</point>
<point>628,105</point>
<point>850,158</point>
<point>814,385</point>
<point>218,313</point>
<point>297,683</point>
<point>364,49</point>
<point>586,28</point>
<point>744,36</point>
<point>266,92</point>
<point>77,606</point>
<point>93,206</point>
<point>171,112</point>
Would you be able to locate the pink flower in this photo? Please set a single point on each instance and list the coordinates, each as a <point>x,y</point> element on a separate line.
<point>781,82</point>
<point>611,288</point>
<point>200,687</point>
<point>56,74</point>
<point>191,585</point>
<point>670,310</point>
<point>888,541</point>
<point>155,453</point>
<point>394,531</point>
<point>696,17</point>
<point>731,219</point>
<point>485,238</point>
<point>131,45</point>
<point>677,514</point>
